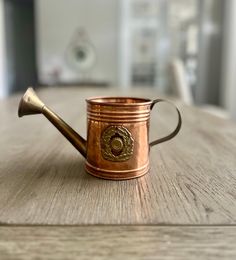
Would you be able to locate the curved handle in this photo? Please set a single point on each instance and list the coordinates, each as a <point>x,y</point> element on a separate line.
<point>175,132</point>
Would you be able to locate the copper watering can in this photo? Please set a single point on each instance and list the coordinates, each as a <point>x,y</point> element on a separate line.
<point>117,145</point>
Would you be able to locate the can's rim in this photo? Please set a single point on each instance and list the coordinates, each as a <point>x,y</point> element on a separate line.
<point>119,101</point>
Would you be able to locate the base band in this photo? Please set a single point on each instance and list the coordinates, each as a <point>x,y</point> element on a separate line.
<point>116,175</point>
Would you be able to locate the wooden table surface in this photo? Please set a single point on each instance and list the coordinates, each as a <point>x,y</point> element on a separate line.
<point>185,208</point>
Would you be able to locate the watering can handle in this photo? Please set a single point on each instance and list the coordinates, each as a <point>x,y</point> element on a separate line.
<point>175,132</point>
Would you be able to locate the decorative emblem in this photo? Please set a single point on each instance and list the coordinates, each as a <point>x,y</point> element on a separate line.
<point>117,144</point>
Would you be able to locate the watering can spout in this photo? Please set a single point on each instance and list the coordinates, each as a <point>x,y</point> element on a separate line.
<point>31,104</point>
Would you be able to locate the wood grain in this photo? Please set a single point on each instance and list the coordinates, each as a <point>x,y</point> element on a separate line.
<point>117,242</point>
<point>42,179</point>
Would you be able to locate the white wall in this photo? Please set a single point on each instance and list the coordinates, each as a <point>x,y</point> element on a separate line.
<point>229,59</point>
<point>57,21</point>
<point>3,89</point>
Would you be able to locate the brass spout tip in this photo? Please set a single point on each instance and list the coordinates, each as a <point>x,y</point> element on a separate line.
<point>30,104</point>
<point>20,110</point>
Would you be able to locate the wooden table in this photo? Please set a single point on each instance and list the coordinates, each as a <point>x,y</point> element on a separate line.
<point>50,208</point>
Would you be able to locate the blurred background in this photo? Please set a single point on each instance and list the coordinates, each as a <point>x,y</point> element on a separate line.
<point>184,48</point>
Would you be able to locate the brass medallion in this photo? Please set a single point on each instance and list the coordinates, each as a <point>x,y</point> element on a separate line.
<point>117,144</point>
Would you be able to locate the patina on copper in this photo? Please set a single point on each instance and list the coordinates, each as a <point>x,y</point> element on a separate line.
<point>117,145</point>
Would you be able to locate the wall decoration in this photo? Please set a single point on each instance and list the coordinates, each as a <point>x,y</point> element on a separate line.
<point>81,54</point>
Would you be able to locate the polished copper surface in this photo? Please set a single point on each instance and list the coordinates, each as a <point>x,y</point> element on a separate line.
<point>130,114</point>
<point>117,145</point>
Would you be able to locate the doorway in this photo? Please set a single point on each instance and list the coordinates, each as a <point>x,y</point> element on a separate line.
<point>20,44</point>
